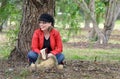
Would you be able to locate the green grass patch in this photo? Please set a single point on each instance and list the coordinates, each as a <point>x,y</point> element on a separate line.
<point>117,25</point>
<point>114,41</point>
<point>91,54</point>
<point>5,51</point>
<point>117,22</point>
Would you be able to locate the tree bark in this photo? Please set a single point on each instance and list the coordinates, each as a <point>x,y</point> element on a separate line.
<point>92,33</point>
<point>31,12</point>
<point>87,21</point>
<point>111,15</point>
<point>87,18</point>
<point>1,27</point>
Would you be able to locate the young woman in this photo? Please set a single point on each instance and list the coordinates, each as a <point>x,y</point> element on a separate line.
<point>46,37</point>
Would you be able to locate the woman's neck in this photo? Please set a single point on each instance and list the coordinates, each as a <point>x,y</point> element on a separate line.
<point>46,34</point>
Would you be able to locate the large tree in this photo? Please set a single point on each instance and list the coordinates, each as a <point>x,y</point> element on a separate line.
<point>31,11</point>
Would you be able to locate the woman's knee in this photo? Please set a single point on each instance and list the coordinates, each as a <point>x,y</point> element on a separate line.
<point>60,57</point>
<point>32,55</point>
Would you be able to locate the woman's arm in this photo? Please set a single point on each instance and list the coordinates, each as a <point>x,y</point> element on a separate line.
<point>35,42</point>
<point>59,46</point>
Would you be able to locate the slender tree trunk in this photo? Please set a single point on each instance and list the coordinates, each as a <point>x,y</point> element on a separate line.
<point>111,15</point>
<point>117,9</point>
<point>1,27</point>
<point>92,33</point>
<point>87,18</point>
<point>87,21</point>
<point>31,11</point>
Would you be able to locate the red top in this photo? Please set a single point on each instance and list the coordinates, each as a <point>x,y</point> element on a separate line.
<point>55,41</point>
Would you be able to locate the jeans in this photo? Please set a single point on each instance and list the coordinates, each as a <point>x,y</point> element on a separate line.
<point>32,57</point>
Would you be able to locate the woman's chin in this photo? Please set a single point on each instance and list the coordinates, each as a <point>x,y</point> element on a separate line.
<point>42,29</point>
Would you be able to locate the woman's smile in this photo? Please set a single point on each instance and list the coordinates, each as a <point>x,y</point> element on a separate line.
<point>44,25</point>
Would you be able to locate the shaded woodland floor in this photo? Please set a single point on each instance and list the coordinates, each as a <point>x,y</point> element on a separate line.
<point>73,69</point>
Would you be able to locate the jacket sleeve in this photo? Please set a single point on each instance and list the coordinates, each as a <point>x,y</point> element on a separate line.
<point>35,42</point>
<point>58,46</point>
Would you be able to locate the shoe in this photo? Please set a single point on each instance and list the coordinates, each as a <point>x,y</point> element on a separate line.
<point>60,66</point>
<point>63,62</point>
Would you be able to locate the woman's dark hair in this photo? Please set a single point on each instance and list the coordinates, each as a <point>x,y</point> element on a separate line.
<point>47,18</point>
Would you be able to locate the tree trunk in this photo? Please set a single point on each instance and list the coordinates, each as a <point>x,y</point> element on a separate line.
<point>31,11</point>
<point>117,9</point>
<point>87,21</point>
<point>92,33</point>
<point>87,17</point>
<point>111,15</point>
<point>1,27</point>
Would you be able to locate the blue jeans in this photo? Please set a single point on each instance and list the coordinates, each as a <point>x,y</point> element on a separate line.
<point>32,57</point>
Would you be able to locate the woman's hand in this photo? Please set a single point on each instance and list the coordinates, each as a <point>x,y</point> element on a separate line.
<point>49,55</point>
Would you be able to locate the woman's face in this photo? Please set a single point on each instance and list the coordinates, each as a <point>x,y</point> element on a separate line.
<point>44,25</point>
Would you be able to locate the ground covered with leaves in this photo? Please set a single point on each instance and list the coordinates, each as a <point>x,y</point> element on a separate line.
<point>73,69</point>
